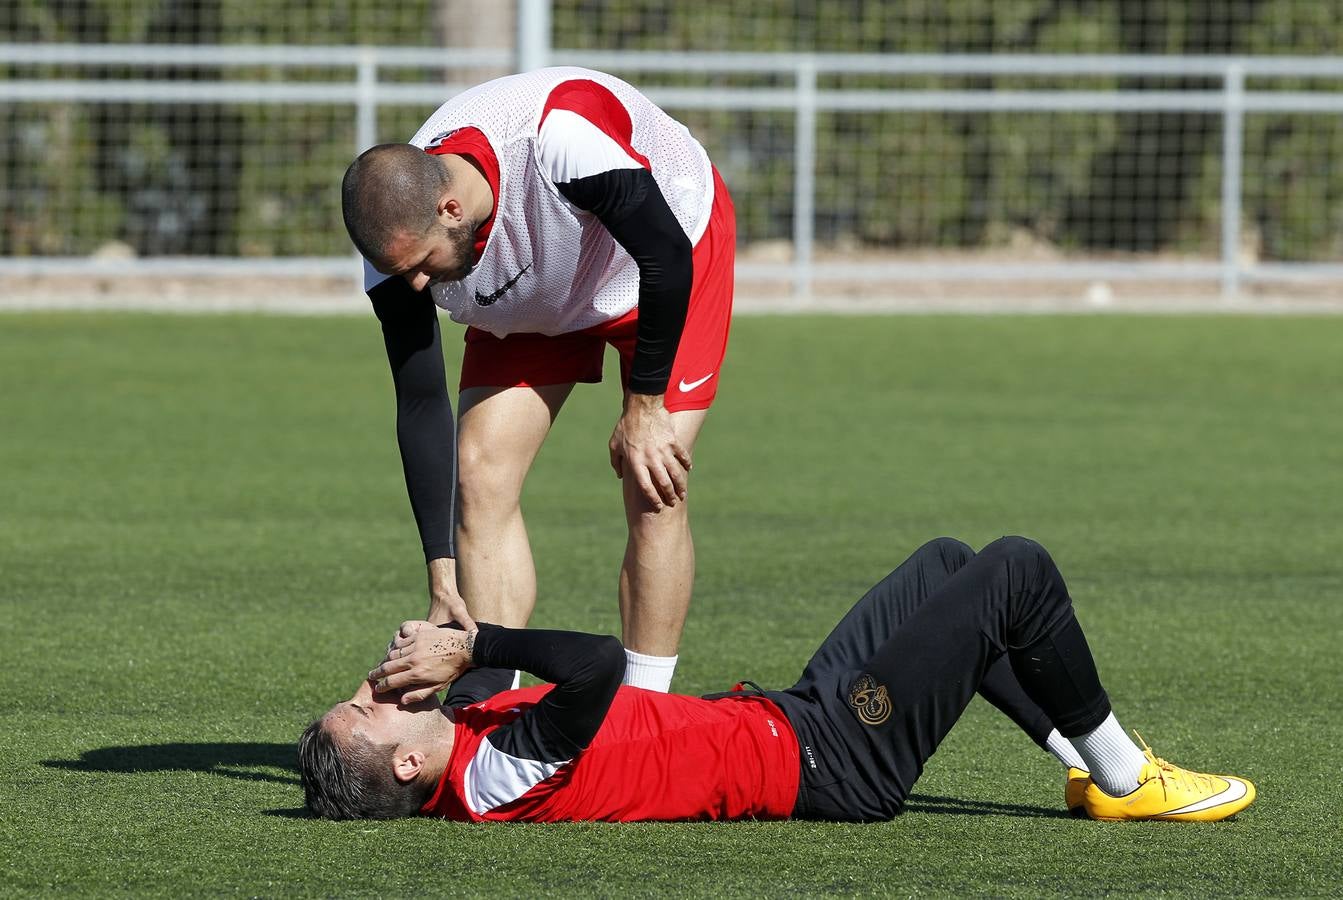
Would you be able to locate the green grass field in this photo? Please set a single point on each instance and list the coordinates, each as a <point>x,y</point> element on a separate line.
<point>205,541</point>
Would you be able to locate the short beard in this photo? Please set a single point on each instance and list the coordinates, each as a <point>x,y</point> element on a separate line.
<point>463,242</point>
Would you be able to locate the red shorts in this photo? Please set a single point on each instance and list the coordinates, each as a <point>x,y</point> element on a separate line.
<point>532,360</point>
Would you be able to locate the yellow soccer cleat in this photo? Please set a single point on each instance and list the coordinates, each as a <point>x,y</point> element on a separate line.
<point>1166,792</point>
<point>1078,779</point>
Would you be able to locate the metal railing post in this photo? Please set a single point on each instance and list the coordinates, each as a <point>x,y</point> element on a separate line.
<point>365,126</point>
<point>533,34</point>
<point>1233,139</point>
<point>804,178</point>
<point>366,106</point>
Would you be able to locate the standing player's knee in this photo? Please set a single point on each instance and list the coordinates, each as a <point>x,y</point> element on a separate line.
<point>649,523</point>
<point>484,481</point>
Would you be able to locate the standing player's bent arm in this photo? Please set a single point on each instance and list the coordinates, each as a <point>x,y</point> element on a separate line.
<point>425,430</point>
<point>586,670</point>
<point>630,205</point>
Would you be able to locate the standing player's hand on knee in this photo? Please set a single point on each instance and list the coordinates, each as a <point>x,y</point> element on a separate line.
<point>644,444</point>
<point>422,660</point>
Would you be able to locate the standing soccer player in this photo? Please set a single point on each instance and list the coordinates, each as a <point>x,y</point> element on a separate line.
<point>552,213</point>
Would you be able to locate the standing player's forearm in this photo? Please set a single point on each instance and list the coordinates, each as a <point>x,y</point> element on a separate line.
<point>666,274</point>
<point>632,208</point>
<point>664,299</point>
<point>425,428</point>
<point>431,476</point>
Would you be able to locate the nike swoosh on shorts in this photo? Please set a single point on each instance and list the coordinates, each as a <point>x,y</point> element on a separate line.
<point>686,387</point>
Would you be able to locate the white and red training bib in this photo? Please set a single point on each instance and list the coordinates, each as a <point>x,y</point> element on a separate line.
<point>547,266</point>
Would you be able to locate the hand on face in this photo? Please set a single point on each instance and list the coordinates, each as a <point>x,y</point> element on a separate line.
<point>422,660</point>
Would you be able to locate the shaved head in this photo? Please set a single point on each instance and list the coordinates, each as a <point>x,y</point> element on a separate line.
<point>390,189</point>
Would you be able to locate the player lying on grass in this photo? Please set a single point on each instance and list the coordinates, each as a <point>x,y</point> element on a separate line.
<point>845,743</point>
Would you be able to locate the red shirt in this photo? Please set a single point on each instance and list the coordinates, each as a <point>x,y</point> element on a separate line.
<point>657,757</point>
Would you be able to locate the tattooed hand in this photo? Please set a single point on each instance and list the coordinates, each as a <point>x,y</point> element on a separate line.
<point>422,660</point>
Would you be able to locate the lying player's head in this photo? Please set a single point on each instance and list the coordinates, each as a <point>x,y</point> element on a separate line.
<point>369,758</point>
<point>403,215</point>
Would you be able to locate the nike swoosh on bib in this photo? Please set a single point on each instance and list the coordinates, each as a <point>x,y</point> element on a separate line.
<point>688,386</point>
<point>488,299</point>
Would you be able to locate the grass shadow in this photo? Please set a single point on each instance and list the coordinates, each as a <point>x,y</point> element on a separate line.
<point>297,812</point>
<point>250,760</point>
<point>243,760</point>
<point>957,806</point>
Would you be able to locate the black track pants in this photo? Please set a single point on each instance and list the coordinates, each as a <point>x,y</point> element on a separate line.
<point>888,683</point>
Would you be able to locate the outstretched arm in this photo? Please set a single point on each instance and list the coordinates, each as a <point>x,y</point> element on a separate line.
<point>425,434</point>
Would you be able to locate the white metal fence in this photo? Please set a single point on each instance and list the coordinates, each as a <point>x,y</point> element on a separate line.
<point>806,98</point>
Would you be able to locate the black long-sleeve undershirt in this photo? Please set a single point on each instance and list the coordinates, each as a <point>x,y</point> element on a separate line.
<point>586,670</point>
<point>630,205</point>
<point>425,430</point>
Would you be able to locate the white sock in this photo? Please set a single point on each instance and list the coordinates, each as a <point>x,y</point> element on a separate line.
<point>517,679</point>
<point>651,672</point>
<point>1063,750</point>
<point>1113,760</point>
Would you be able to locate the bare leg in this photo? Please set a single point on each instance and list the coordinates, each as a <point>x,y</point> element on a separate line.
<point>658,572</point>
<point>500,432</point>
